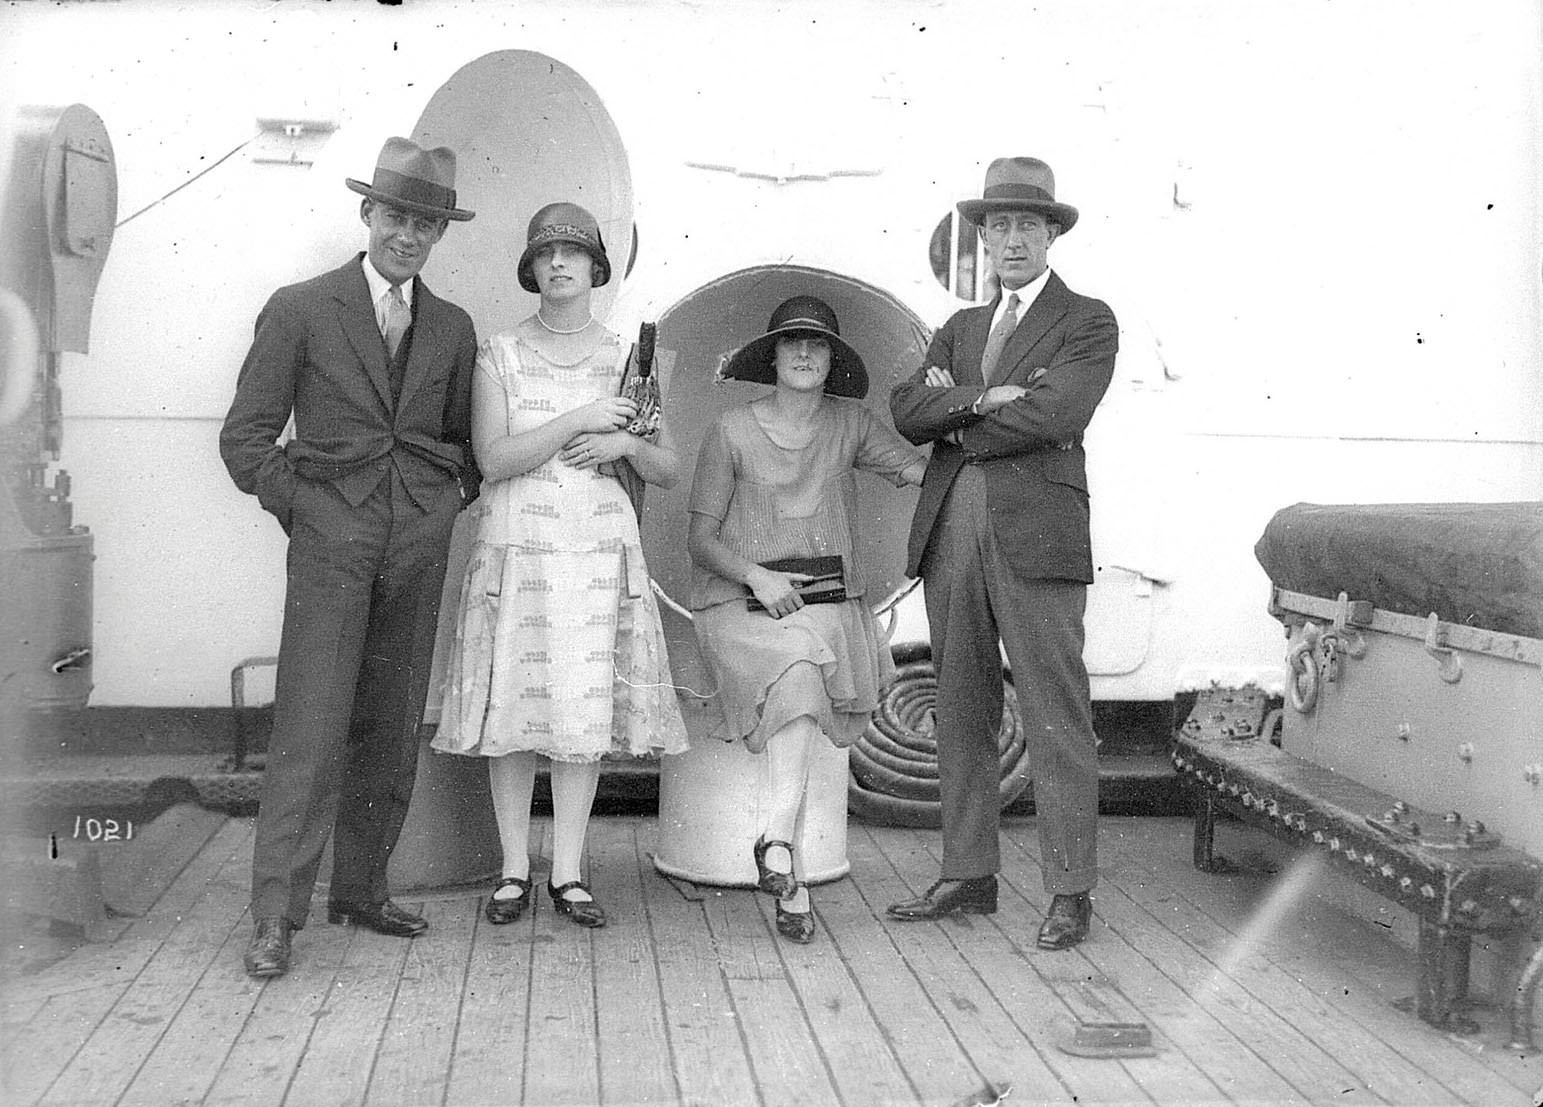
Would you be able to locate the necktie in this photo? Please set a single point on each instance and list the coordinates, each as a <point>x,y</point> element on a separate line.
<point>998,337</point>
<point>398,318</point>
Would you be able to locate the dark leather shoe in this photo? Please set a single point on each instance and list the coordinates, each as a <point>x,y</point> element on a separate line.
<point>1068,921</point>
<point>975,896</point>
<point>501,911</point>
<point>795,926</point>
<point>780,885</point>
<point>268,953</point>
<point>383,918</point>
<point>584,912</point>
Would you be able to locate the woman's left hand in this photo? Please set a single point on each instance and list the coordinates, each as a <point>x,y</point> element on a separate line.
<point>589,450</point>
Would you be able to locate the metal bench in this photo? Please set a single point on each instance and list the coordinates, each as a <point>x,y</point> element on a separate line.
<point>1453,874</point>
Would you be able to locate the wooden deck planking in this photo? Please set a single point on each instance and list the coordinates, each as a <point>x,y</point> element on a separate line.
<point>789,1065</point>
<point>45,1047</point>
<point>1178,1024</point>
<point>689,996</point>
<point>1086,990</point>
<point>75,1003</point>
<point>413,1063</point>
<point>263,1060</point>
<point>1236,957</point>
<point>111,1058</point>
<point>1217,905</point>
<point>562,1058</point>
<point>488,1061</point>
<point>711,1063</point>
<point>936,1066</point>
<point>995,1043</point>
<point>862,1059</point>
<point>107,964</point>
<point>347,1026</point>
<point>636,1062</point>
<point>186,1061</point>
<point>1302,1060</point>
<point>1005,968</point>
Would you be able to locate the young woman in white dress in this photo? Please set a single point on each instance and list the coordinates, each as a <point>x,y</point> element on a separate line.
<point>559,652</point>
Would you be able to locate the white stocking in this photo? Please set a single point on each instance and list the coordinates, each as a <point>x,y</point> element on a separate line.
<point>573,793</point>
<point>512,779</point>
<point>787,784</point>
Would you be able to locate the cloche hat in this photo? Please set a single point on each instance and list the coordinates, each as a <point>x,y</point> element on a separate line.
<point>562,222</point>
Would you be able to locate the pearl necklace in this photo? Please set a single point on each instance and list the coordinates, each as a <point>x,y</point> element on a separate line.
<point>556,330</point>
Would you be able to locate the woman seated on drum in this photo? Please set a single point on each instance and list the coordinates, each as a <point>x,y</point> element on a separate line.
<point>774,481</point>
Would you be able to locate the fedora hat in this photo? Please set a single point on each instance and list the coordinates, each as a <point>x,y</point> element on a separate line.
<point>799,315</point>
<point>562,222</point>
<point>1019,184</point>
<point>414,179</point>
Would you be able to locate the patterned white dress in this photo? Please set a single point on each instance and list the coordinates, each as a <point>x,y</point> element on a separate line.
<point>558,649</point>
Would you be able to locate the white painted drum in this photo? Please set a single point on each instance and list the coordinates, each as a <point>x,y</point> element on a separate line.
<point>526,130</point>
<point>710,806</point>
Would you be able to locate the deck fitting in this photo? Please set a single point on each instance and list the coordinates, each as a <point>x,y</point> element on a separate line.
<point>1110,1039</point>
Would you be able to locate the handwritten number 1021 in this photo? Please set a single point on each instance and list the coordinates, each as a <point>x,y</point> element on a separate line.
<point>103,830</point>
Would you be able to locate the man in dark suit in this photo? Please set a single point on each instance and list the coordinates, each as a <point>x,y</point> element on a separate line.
<point>1000,538</point>
<point>377,373</point>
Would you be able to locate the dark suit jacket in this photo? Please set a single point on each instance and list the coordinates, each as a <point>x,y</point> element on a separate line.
<point>1030,450</point>
<point>318,352</point>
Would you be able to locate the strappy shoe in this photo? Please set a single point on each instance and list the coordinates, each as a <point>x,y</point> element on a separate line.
<point>508,910</point>
<point>796,926</point>
<point>780,885</point>
<point>584,912</point>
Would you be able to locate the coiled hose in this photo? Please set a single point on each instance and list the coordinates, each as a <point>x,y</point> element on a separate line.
<point>894,765</point>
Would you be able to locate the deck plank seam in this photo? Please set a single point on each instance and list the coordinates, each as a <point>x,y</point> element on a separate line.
<point>230,855</point>
<point>214,961</point>
<point>1178,982</point>
<point>873,1013</point>
<point>1022,894</point>
<point>965,1049</point>
<point>643,874</point>
<point>995,921</point>
<point>798,997</point>
<point>1226,981</point>
<point>1051,1062</point>
<point>1354,1013</point>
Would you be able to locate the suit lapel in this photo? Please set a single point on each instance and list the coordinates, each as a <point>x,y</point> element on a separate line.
<point>973,344</point>
<point>425,341</point>
<point>1048,306</point>
<point>356,315</point>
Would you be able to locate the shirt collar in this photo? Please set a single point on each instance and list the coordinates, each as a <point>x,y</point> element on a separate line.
<point>1026,295</point>
<point>379,286</point>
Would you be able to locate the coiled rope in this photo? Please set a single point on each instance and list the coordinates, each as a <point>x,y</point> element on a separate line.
<point>894,764</point>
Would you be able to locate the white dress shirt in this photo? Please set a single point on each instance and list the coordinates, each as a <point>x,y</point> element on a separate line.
<point>380,293</point>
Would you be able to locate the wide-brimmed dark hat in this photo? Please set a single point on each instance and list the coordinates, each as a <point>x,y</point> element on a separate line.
<point>801,315</point>
<point>414,179</point>
<point>562,222</point>
<point>1019,184</point>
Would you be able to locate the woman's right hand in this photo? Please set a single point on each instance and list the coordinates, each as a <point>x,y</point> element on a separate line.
<point>603,415</point>
<point>775,590</point>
